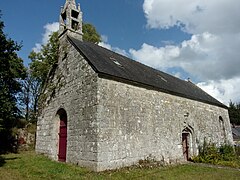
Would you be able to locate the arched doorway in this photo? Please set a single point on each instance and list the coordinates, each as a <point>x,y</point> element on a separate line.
<point>186,143</point>
<point>62,147</point>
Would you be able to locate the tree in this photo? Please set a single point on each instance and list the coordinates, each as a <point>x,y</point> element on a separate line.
<point>90,33</point>
<point>39,67</point>
<point>234,113</point>
<point>29,97</point>
<point>44,60</point>
<point>11,72</point>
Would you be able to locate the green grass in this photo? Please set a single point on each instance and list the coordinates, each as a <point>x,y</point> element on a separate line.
<point>28,165</point>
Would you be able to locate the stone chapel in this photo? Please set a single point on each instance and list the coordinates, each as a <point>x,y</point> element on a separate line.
<point>102,110</point>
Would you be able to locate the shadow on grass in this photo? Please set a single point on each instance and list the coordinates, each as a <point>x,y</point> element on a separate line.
<point>2,161</point>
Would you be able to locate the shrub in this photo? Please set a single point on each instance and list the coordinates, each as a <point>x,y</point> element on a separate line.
<point>208,153</point>
<point>237,150</point>
<point>227,152</point>
<point>223,155</point>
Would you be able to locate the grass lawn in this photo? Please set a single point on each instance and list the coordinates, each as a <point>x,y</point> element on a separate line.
<point>28,165</point>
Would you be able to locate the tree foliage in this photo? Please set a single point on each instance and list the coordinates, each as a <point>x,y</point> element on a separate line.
<point>11,72</point>
<point>43,60</point>
<point>39,67</point>
<point>90,33</point>
<point>29,97</point>
<point>234,113</point>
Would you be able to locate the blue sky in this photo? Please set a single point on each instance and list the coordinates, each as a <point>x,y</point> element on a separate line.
<point>199,39</point>
<point>123,22</point>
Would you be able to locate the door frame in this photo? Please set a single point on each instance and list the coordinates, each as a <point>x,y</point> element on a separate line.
<point>186,145</point>
<point>62,136</point>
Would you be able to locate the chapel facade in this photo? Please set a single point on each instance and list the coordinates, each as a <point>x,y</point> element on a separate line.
<point>102,110</point>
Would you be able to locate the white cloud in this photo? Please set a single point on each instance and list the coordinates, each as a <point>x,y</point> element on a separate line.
<point>37,47</point>
<point>104,38</point>
<point>223,90</point>
<point>177,74</point>
<point>49,29</point>
<point>215,16</point>
<point>156,57</point>
<point>204,56</point>
<point>106,45</point>
<point>211,55</point>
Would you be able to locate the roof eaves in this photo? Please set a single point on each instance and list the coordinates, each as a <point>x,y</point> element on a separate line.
<point>147,86</point>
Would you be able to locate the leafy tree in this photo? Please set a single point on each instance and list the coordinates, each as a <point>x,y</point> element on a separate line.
<point>90,33</point>
<point>11,72</point>
<point>44,60</point>
<point>234,113</point>
<point>29,97</point>
<point>39,67</point>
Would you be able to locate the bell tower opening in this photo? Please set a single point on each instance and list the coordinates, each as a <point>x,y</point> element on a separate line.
<point>75,14</point>
<point>64,18</point>
<point>70,20</point>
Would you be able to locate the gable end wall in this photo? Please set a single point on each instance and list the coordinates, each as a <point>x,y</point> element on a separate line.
<point>75,91</point>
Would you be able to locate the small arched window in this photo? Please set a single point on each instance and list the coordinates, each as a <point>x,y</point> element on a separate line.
<point>222,127</point>
<point>220,118</point>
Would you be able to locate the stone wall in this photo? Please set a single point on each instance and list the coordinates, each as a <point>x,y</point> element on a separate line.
<point>73,87</point>
<point>111,124</point>
<point>26,138</point>
<point>136,123</point>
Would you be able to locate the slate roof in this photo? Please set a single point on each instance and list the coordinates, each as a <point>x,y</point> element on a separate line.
<point>113,65</point>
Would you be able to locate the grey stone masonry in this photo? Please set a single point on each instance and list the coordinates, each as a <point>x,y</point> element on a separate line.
<point>110,122</point>
<point>76,92</point>
<point>70,20</point>
<point>136,123</point>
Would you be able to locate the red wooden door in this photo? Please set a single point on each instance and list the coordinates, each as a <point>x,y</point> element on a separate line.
<point>185,145</point>
<point>62,140</point>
